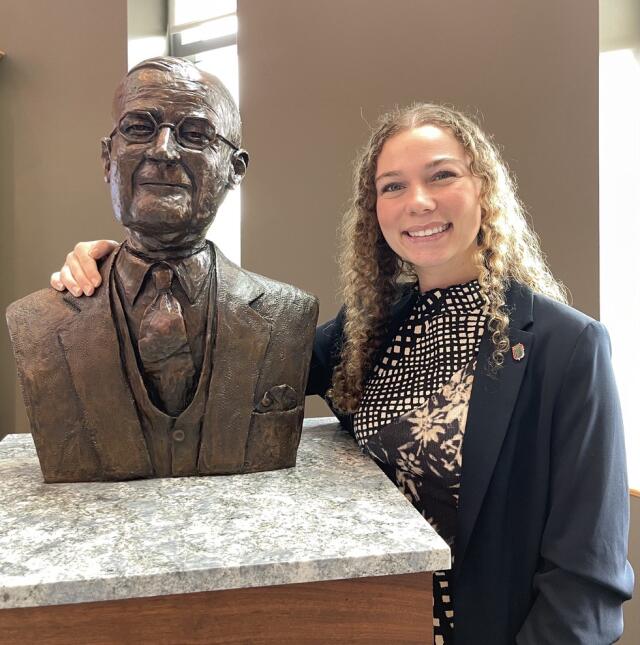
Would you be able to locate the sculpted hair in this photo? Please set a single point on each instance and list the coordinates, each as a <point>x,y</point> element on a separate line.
<point>508,250</point>
<point>185,70</point>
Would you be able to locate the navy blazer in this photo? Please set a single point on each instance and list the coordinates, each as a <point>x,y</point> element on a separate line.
<point>543,514</point>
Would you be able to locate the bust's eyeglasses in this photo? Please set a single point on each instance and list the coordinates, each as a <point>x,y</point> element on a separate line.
<point>192,132</point>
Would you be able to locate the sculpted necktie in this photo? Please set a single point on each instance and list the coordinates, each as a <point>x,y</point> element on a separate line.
<point>163,346</point>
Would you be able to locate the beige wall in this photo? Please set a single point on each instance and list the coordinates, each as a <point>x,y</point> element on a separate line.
<point>56,82</point>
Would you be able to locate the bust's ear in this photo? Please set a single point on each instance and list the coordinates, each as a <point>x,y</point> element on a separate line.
<point>238,167</point>
<point>105,155</point>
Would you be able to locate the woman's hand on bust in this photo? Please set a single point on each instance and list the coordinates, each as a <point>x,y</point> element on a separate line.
<point>80,274</point>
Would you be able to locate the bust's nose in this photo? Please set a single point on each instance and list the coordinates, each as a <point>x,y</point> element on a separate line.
<point>164,147</point>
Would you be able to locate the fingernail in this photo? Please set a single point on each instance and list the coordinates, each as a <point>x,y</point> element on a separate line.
<point>76,292</point>
<point>88,291</point>
<point>96,282</point>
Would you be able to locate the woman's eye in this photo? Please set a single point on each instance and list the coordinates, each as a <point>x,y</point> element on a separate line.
<point>443,174</point>
<point>392,187</point>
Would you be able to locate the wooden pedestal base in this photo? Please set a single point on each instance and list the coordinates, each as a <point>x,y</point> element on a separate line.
<point>386,609</point>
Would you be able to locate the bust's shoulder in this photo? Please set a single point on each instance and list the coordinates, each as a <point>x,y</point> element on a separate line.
<point>41,307</point>
<point>281,290</point>
<point>284,303</point>
<point>47,309</point>
<point>275,296</point>
<point>35,320</point>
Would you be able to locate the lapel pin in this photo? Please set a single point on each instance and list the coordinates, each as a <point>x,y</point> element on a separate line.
<point>517,351</point>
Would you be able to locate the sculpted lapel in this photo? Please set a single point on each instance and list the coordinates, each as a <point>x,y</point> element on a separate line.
<point>490,410</point>
<point>241,334</point>
<point>91,332</point>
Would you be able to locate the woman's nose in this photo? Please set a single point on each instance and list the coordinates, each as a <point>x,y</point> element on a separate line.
<point>420,199</point>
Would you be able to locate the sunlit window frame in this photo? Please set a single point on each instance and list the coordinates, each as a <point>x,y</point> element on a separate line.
<point>174,36</point>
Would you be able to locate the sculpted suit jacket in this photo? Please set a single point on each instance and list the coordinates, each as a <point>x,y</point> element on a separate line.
<point>543,515</point>
<point>81,408</point>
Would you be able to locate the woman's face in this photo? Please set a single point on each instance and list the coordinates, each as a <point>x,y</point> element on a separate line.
<point>428,204</point>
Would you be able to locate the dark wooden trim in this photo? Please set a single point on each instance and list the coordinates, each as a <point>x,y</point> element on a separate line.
<point>178,49</point>
<point>386,609</point>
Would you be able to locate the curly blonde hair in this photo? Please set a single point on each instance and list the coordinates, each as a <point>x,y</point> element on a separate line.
<point>507,249</point>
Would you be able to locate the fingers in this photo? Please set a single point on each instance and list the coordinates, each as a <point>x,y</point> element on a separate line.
<point>55,281</point>
<point>80,271</point>
<point>74,278</point>
<point>85,255</point>
<point>83,266</point>
<point>100,248</point>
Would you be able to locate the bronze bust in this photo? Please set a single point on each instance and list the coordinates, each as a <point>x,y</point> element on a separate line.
<point>182,363</point>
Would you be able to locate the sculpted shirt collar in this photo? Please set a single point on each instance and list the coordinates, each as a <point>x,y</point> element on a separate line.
<point>192,271</point>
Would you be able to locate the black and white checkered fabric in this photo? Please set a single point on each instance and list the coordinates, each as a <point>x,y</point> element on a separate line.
<point>440,336</point>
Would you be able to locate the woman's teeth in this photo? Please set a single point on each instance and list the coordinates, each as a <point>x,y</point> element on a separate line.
<point>428,231</point>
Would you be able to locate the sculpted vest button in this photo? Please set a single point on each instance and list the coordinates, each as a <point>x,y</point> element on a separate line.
<point>178,435</point>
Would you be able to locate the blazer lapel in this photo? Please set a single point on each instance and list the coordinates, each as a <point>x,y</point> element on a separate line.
<point>92,352</point>
<point>490,409</point>
<point>242,337</point>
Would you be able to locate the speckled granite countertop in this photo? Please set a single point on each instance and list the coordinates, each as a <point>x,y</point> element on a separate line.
<point>335,515</point>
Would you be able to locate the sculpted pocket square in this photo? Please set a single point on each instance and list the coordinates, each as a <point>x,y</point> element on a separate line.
<point>279,398</point>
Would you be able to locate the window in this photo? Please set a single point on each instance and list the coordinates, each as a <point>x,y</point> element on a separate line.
<point>146,31</point>
<point>206,34</point>
<point>620,215</point>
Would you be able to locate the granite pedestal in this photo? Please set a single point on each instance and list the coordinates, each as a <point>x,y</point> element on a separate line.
<point>328,551</point>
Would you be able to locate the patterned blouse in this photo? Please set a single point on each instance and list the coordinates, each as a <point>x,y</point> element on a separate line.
<point>414,411</point>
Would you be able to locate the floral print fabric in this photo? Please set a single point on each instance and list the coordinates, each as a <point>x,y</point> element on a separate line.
<point>422,453</point>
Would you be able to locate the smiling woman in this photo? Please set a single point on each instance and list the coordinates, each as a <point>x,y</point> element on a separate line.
<point>429,167</point>
<point>489,403</point>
